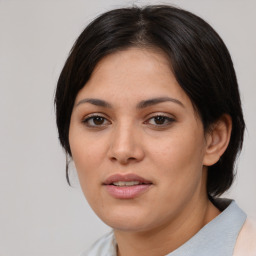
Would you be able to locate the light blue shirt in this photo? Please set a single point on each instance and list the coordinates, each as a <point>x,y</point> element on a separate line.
<point>217,238</point>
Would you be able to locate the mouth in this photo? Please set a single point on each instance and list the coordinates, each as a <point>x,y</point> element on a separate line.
<point>126,183</point>
<point>127,186</point>
<point>126,180</point>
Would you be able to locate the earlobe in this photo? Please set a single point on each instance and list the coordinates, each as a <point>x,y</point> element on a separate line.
<point>217,140</point>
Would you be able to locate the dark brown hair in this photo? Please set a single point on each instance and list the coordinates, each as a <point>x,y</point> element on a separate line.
<point>200,62</point>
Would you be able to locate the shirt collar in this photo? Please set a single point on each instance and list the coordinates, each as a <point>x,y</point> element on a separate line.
<point>218,237</point>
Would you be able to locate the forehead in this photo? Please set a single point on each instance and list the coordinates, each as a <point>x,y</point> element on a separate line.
<point>133,72</point>
<point>151,58</point>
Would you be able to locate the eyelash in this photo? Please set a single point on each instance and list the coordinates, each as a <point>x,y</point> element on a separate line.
<point>167,121</point>
<point>93,118</point>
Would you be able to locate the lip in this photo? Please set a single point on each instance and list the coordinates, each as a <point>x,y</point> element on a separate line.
<point>126,192</point>
<point>125,177</point>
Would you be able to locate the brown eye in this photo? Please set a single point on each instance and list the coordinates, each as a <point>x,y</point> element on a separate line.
<point>96,121</point>
<point>160,120</point>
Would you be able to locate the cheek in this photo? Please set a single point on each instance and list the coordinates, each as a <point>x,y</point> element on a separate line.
<point>86,149</point>
<point>87,159</point>
<point>86,164</point>
<point>178,166</point>
<point>87,155</point>
<point>179,155</point>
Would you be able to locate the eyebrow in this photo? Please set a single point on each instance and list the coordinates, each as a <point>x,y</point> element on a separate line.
<point>140,105</point>
<point>154,101</point>
<point>96,102</point>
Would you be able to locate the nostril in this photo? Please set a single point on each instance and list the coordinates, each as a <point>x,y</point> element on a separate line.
<point>123,159</point>
<point>131,158</point>
<point>125,150</point>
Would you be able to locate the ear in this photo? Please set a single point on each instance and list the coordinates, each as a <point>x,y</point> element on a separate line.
<point>217,140</point>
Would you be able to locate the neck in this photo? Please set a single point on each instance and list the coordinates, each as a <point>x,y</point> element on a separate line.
<point>168,237</point>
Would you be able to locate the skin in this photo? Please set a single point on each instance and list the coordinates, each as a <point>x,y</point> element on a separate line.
<point>172,153</point>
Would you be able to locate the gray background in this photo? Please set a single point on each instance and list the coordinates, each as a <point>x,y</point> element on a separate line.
<point>39,213</point>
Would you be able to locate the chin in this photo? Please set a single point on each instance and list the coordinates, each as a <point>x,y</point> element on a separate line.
<point>128,220</point>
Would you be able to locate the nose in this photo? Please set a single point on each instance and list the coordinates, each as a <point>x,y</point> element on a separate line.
<point>126,145</point>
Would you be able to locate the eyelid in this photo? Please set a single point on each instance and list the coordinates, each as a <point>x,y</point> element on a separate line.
<point>169,117</point>
<point>155,114</point>
<point>88,117</point>
<point>95,114</point>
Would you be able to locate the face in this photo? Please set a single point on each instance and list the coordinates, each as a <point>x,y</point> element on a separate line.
<point>137,142</point>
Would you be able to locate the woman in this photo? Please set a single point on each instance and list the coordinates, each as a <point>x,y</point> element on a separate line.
<point>148,107</point>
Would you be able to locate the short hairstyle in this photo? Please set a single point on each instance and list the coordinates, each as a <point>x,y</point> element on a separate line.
<point>199,60</point>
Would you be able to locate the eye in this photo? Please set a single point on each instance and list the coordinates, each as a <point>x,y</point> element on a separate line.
<point>96,121</point>
<point>160,120</point>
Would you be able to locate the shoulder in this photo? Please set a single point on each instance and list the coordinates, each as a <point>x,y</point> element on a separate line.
<point>105,246</point>
<point>246,241</point>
